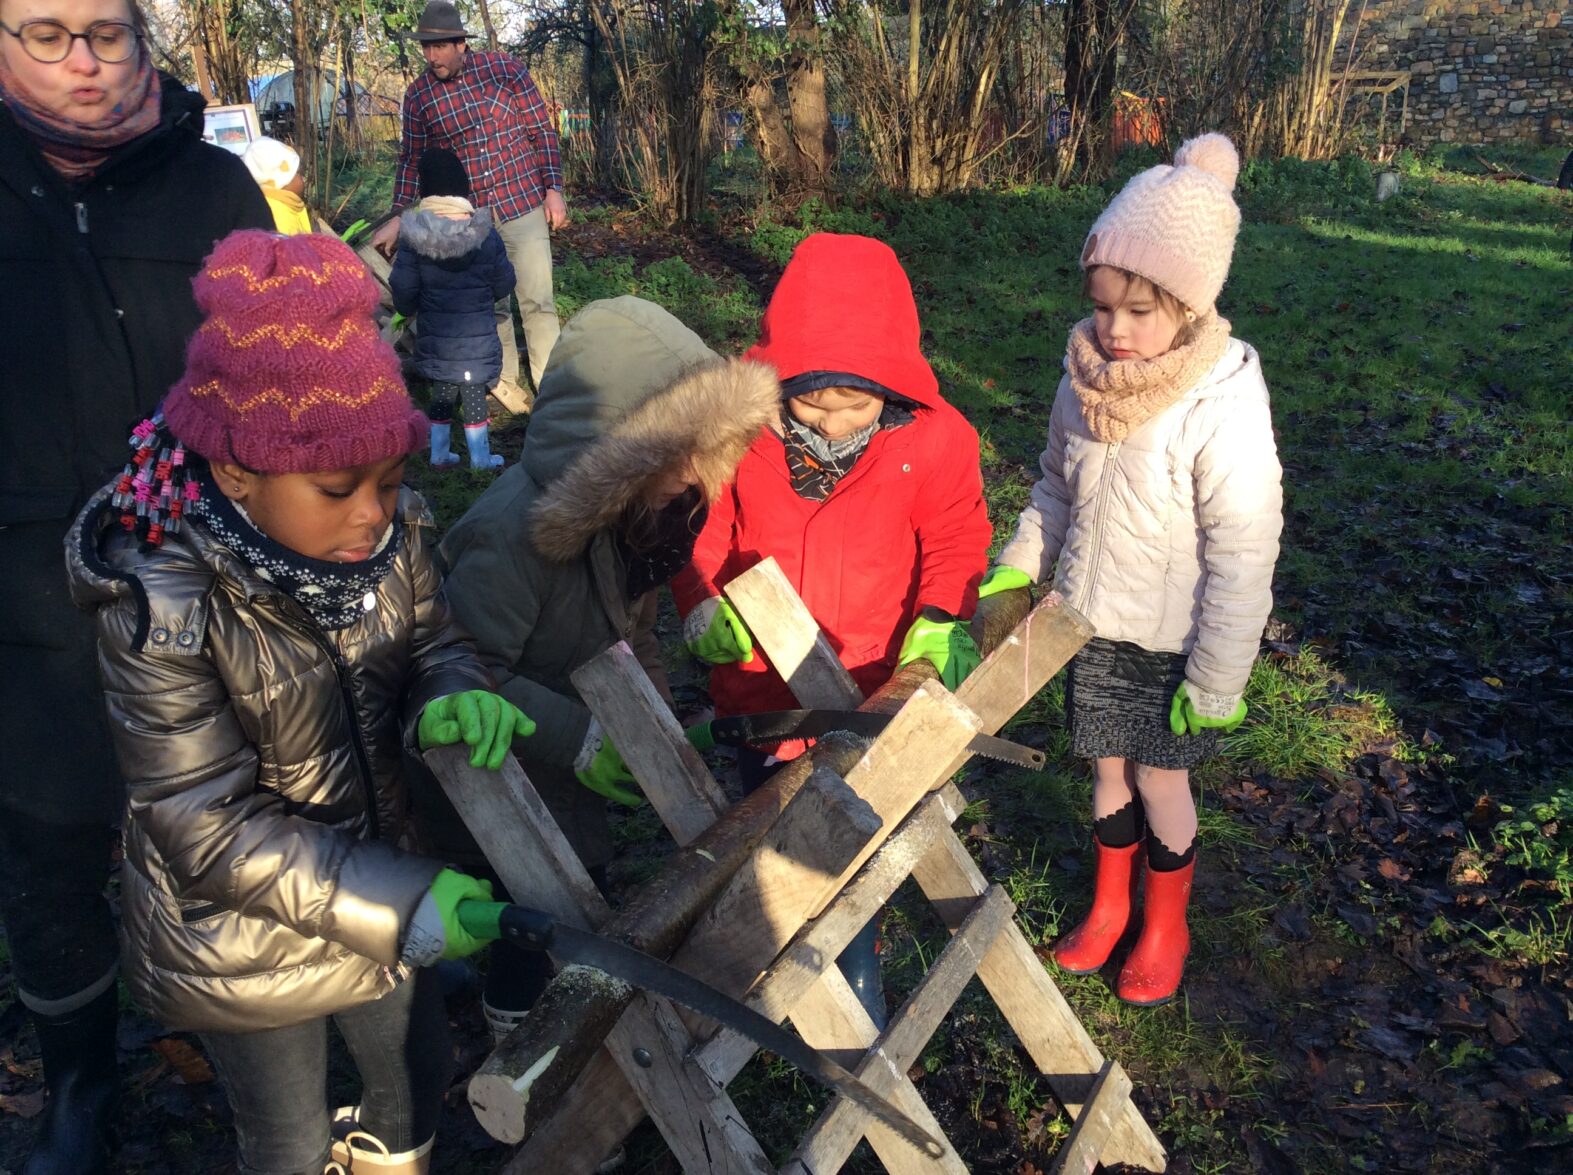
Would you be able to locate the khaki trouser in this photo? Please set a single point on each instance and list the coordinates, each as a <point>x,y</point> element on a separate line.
<point>529,244</point>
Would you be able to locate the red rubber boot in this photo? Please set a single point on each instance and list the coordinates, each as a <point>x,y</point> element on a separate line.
<point>1152,973</point>
<point>1087,948</point>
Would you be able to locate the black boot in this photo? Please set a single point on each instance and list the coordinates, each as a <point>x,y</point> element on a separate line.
<point>82,1075</point>
<point>859,963</point>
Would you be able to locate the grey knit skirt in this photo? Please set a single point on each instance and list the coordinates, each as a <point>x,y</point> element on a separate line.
<point>1117,702</point>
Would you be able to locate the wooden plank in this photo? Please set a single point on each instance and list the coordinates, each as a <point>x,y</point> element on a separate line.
<point>642,727</point>
<point>519,837</point>
<point>831,1018</point>
<point>1082,1150</point>
<point>1023,662</point>
<point>790,636</point>
<point>649,1046</point>
<point>1031,1002</point>
<point>830,1141</point>
<point>738,937</point>
<point>819,943</point>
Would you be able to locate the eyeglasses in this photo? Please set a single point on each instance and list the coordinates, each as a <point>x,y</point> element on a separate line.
<point>49,41</point>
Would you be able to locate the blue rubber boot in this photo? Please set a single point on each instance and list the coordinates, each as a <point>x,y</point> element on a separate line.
<point>859,963</point>
<point>478,438</point>
<point>441,451</point>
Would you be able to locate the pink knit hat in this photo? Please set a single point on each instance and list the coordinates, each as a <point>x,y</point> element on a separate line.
<point>1175,226</point>
<point>288,374</point>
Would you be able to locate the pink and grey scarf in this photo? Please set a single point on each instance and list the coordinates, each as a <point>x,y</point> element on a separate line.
<point>76,149</point>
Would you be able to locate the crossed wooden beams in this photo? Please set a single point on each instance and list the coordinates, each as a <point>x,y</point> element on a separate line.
<point>763,896</point>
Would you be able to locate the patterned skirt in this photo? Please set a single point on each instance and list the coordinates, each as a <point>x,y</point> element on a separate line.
<point>1117,701</point>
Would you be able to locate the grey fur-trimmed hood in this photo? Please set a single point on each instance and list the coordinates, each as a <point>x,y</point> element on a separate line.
<point>441,239</point>
<point>630,394</point>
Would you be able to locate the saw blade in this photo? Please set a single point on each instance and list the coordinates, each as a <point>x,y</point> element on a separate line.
<point>634,967</point>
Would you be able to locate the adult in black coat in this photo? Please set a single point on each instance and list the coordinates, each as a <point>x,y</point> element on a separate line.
<point>109,200</point>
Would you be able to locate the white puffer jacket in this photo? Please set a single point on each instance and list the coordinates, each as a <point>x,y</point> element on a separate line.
<point>1166,539</point>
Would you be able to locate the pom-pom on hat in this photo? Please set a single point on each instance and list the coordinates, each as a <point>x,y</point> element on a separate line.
<point>271,163</point>
<point>1175,226</point>
<point>287,373</point>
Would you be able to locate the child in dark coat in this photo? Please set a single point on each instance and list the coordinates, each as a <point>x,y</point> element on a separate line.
<point>450,270</point>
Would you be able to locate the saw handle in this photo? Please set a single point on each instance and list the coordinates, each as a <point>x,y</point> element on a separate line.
<point>492,920</point>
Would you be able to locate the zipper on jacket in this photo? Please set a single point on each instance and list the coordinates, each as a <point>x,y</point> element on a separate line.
<point>81,217</point>
<point>1099,509</point>
<point>362,759</point>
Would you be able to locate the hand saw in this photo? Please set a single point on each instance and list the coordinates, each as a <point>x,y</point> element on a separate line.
<point>747,729</point>
<point>539,931</point>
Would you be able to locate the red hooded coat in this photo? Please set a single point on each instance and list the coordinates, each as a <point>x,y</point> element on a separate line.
<point>905,528</point>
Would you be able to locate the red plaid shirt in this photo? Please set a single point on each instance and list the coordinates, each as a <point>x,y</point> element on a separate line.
<point>492,117</point>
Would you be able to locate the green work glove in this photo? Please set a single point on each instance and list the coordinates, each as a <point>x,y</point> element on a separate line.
<point>448,889</point>
<point>1195,709</point>
<point>1003,579</point>
<point>484,721</point>
<point>714,632</point>
<point>944,644</point>
<point>601,769</point>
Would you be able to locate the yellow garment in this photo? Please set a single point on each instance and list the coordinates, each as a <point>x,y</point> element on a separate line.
<point>289,211</point>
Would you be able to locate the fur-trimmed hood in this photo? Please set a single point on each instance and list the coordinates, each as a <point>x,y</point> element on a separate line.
<point>442,239</point>
<point>630,393</point>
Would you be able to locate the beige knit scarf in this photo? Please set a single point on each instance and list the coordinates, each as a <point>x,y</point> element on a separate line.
<point>447,207</point>
<point>1119,395</point>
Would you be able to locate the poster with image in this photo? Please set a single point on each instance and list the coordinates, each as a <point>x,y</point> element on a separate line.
<point>231,127</point>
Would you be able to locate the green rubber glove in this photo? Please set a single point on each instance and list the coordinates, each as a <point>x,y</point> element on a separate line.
<point>714,632</point>
<point>601,769</point>
<point>1003,579</point>
<point>1194,710</point>
<point>944,644</point>
<point>486,722</point>
<point>448,889</point>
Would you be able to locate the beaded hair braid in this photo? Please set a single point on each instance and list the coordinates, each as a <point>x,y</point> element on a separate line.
<point>157,485</point>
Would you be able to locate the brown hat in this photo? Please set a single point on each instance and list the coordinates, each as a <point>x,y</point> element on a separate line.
<point>440,22</point>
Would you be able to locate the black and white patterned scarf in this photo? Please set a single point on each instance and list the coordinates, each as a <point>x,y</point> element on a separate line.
<point>335,595</point>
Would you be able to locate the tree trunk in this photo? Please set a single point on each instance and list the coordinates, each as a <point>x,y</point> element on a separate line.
<point>305,66</point>
<point>772,139</point>
<point>813,137</point>
<point>486,23</point>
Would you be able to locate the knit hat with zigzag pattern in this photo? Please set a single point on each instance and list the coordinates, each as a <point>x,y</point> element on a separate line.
<point>287,373</point>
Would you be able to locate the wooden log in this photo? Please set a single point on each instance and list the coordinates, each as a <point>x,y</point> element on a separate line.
<point>768,899</point>
<point>522,841</point>
<point>1032,1004</point>
<point>791,638</point>
<point>643,729</point>
<point>519,1086</point>
<point>830,1141</point>
<point>1082,1150</point>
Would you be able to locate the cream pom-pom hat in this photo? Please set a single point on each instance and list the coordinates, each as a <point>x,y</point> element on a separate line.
<point>1175,226</point>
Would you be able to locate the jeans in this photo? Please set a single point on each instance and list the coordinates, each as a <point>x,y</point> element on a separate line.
<point>528,242</point>
<point>276,1079</point>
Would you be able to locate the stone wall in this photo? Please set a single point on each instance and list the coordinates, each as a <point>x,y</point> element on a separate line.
<point>1485,71</point>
